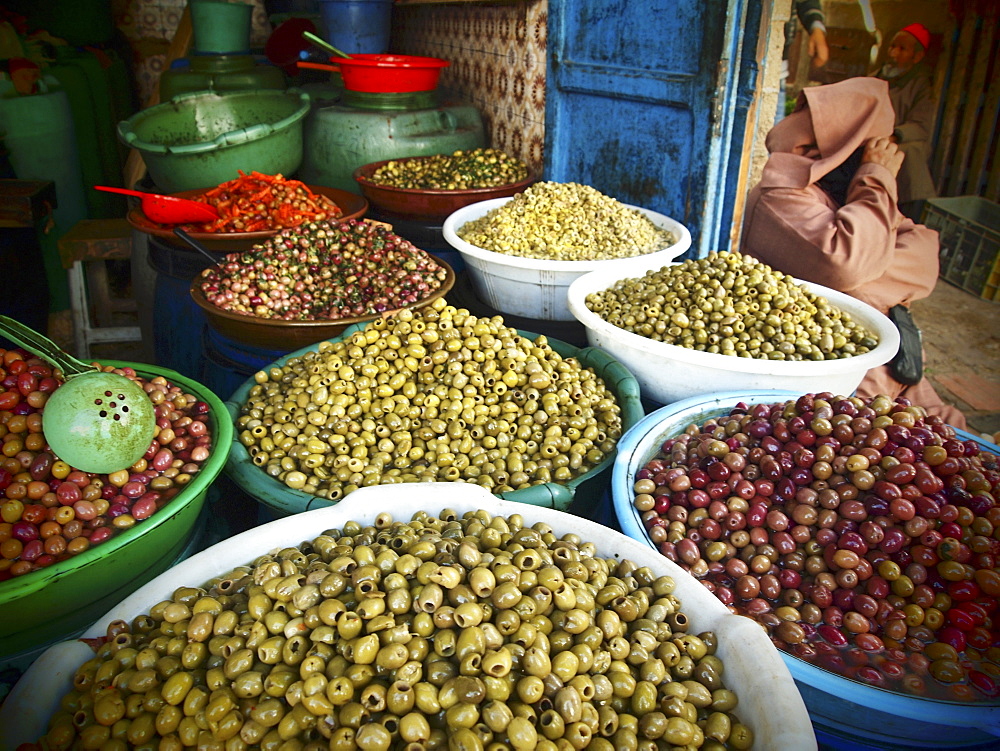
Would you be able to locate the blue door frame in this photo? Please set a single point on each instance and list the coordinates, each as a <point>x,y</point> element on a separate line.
<point>644,99</point>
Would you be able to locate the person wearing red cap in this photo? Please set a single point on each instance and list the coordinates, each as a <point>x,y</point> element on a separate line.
<point>911,90</point>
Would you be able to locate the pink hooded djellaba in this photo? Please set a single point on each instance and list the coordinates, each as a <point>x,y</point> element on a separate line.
<point>865,248</point>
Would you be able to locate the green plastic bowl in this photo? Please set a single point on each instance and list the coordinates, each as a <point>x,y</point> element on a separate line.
<point>580,495</point>
<point>65,598</point>
<point>202,139</point>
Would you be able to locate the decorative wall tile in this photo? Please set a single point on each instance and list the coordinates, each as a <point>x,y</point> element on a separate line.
<point>149,26</point>
<point>497,55</point>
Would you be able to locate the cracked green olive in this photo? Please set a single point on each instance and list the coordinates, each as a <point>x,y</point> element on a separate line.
<point>457,405</point>
<point>457,668</point>
<point>565,222</point>
<point>732,304</point>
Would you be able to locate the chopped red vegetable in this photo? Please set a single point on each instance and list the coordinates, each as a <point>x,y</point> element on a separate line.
<point>259,202</point>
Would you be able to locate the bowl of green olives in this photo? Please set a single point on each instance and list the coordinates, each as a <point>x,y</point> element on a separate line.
<point>432,187</point>
<point>398,617</point>
<point>836,600</point>
<point>728,322</point>
<point>523,252</point>
<point>432,394</point>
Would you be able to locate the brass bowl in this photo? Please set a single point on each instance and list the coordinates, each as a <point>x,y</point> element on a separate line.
<point>429,204</point>
<point>267,333</point>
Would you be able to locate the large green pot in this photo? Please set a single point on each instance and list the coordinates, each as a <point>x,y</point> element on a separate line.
<point>63,599</point>
<point>203,138</point>
<point>579,496</point>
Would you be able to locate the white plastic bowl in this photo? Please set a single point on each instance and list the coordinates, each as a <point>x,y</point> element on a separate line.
<point>532,287</point>
<point>667,372</point>
<point>769,702</point>
<point>849,714</point>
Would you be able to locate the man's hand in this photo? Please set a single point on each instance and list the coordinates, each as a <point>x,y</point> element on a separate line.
<point>819,51</point>
<point>884,152</point>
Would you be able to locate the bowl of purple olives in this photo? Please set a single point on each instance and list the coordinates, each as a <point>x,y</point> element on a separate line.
<point>862,534</point>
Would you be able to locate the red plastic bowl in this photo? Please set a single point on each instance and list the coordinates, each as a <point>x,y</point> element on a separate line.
<point>390,74</point>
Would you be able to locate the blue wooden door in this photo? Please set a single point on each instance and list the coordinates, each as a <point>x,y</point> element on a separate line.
<point>643,98</point>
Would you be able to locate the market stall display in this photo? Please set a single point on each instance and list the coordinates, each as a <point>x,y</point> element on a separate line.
<point>309,283</point>
<point>203,138</point>
<point>73,541</point>
<point>543,433</point>
<point>523,252</point>
<point>430,188</point>
<point>876,581</point>
<point>752,704</point>
<point>716,292</point>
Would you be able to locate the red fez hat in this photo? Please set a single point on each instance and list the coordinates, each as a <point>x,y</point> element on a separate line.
<point>919,32</point>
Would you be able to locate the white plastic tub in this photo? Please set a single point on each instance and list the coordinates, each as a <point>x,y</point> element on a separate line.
<point>769,702</point>
<point>848,715</point>
<point>532,287</point>
<point>667,372</point>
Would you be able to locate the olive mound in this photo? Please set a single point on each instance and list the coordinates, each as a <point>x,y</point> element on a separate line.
<point>565,222</point>
<point>324,271</point>
<point>435,394</point>
<point>732,304</point>
<point>460,170</point>
<point>465,632</point>
<point>861,533</point>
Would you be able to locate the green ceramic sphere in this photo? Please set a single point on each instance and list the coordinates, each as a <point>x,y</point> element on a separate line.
<point>99,422</point>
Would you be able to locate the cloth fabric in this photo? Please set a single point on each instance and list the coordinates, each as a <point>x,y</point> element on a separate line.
<point>915,108</point>
<point>865,248</point>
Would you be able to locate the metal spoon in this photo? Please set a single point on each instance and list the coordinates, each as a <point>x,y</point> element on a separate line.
<point>95,421</point>
<point>196,245</point>
<point>324,44</point>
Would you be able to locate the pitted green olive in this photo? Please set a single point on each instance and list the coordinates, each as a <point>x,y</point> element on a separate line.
<point>732,304</point>
<point>479,648</point>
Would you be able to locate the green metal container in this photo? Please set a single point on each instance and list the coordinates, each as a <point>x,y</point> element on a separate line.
<point>63,599</point>
<point>362,128</point>
<point>202,139</point>
<point>580,495</point>
<point>219,73</point>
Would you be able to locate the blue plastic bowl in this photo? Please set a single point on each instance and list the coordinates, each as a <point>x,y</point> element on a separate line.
<point>846,714</point>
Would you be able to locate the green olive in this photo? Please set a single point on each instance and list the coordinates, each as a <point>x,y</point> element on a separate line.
<point>505,667</point>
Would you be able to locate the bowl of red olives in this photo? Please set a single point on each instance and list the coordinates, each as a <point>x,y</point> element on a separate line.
<point>862,534</point>
<point>308,284</point>
<point>72,543</point>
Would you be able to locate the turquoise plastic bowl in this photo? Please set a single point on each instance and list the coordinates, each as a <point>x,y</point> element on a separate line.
<point>850,715</point>
<point>581,493</point>
<point>202,139</point>
<point>65,598</point>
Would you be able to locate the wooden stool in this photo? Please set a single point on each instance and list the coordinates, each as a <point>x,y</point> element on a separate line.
<point>84,251</point>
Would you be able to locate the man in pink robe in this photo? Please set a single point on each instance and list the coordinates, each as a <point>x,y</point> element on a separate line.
<point>849,234</point>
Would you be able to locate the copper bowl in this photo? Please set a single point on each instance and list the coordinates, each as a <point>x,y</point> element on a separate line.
<point>420,203</point>
<point>287,336</point>
<point>353,206</point>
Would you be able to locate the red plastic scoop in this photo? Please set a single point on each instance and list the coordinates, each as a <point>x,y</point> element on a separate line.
<point>167,209</point>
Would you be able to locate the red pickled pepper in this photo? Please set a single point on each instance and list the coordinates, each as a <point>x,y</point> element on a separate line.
<point>258,202</point>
